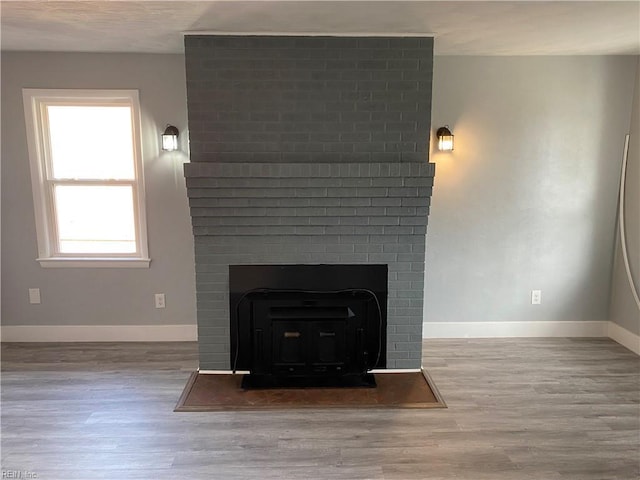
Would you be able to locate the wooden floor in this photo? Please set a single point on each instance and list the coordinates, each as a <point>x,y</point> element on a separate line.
<point>525,409</point>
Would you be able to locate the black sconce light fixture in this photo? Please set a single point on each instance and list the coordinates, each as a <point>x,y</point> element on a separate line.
<point>445,139</point>
<point>170,138</point>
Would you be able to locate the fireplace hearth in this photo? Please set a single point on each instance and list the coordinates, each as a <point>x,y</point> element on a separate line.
<point>308,325</point>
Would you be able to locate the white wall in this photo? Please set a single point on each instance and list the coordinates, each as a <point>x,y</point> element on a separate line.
<point>528,198</point>
<point>624,311</point>
<point>99,296</point>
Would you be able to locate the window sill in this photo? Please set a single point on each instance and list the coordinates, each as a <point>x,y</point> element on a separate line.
<point>84,262</point>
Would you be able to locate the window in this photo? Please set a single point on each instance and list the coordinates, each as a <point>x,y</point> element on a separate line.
<point>86,172</point>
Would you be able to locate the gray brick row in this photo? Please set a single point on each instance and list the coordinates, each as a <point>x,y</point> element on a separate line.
<point>328,227</point>
<point>201,214</point>
<point>309,182</point>
<point>403,193</point>
<point>283,169</point>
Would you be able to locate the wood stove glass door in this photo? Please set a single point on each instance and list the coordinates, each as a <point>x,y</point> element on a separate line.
<point>307,347</point>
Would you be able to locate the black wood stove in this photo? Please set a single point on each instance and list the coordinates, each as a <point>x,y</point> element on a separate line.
<point>308,325</point>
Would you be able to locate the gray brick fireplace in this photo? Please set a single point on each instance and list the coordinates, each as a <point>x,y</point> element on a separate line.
<point>309,150</point>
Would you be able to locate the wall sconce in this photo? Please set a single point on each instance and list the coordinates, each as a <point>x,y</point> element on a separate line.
<point>445,139</point>
<point>170,138</point>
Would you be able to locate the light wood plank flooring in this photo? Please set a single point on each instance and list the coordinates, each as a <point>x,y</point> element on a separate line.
<point>545,409</point>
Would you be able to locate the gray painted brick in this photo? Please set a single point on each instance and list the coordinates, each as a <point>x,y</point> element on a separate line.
<point>412,329</point>
<point>356,182</point>
<point>340,248</point>
<point>219,340</point>
<point>316,230</point>
<point>210,347</point>
<point>212,331</point>
<point>406,364</point>
<point>371,192</point>
<point>386,182</point>
<point>418,181</point>
<point>398,230</point>
<point>395,355</point>
<point>384,220</point>
<point>354,220</point>
<point>370,211</point>
<point>410,293</point>
<point>300,94</point>
<point>397,337</point>
<point>384,238</point>
<point>368,248</point>
<point>386,202</point>
<point>251,182</point>
<point>400,267</point>
<point>382,257</point>
<point>401,302</point>
<point>209,361</point>
<point>341,211</point>
<point>411,257</point>
<point>415,201</point>
<point>340,230</point>
<point>396,248</point>
<point>353,239</point>
<point>422,220</point>
<point>369,230</point>
<point>355,202</point>
<point>324,202</point>
<point>407,346</point>
<point>326,220</point>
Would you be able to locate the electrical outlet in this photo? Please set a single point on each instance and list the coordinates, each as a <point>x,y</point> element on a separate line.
<point>536,297</point>
<point>34,296</point>
<point>160,300</point>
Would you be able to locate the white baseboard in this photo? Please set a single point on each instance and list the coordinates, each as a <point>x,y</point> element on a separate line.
<point>99,333</point>
<point>624,337</point>
<point>532,329</point>
<point>189,333</point>
<point>513,329</point>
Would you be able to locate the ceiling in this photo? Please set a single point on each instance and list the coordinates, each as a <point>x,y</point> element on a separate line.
<point>459,27</point>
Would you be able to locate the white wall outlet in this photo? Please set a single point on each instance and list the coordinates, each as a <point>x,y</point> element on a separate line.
<point>160,300</point>
<point>34,296</point>
<point>536,297</point>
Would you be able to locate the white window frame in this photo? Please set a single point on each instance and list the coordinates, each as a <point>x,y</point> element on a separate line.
<point>36,119</point>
